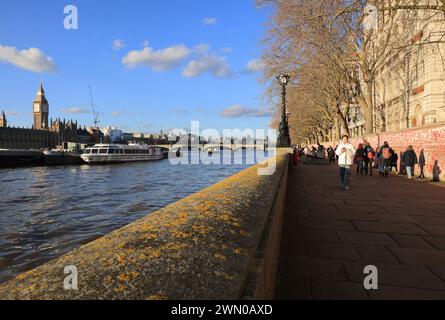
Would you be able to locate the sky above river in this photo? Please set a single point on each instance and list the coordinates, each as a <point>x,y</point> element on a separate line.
<point>152,64</point>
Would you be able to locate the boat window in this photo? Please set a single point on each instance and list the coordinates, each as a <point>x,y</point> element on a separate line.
<point>111,151</point>
<point>94,150</point>
<point>87,151</point>
<point>103,151</point>
<point>121,151</point>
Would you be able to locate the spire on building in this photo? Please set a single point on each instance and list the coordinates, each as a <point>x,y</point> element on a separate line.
<point>3,123</point>
<point>41,94</point>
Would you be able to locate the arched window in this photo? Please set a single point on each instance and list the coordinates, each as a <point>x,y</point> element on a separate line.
<point>416,119</point>
<point>402,119</point>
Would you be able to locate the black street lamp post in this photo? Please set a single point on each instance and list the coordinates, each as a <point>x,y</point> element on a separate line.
<point>283,140</point>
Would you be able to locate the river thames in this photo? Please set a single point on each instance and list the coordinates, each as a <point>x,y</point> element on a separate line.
<point>48,211</point>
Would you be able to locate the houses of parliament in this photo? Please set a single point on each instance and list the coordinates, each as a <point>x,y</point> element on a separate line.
<point>45,133</point>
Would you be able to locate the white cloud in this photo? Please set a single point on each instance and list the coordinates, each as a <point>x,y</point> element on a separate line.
<point>179,111</point>
<point>145,43</point>
<point>217,66</point>
<point>226,50</point>
<point>11,113</point>
<point>118,44</point>
<point>121,112</point>
<point>209,21</point>
<point>32,59</point>
<point>75,110</point>
<point>255,65</point>
<point>238,111</point>
<point>160,60</point>
<point>202,48</point>
<point>202,60</point>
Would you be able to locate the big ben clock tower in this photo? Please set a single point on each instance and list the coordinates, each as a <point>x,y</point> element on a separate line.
<point>40,108</point>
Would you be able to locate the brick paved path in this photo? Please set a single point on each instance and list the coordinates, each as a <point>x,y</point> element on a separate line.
<point>330,235</point>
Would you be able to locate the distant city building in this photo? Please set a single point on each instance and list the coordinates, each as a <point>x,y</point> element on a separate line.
<point>409,83</point>
<point>127,137</point>
<point>44,133</point>
<point>40,109</point>
<point>3,122</point>
<point>112,134</point>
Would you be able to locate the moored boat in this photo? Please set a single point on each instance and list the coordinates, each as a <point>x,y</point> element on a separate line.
<point>18,157</point>
<point>61,157</point>
<point>115,153</point>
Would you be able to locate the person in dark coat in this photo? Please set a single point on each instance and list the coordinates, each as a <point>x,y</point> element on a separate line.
<point>331,154</point>
<point>409,159</point>
<point>436,171</point>
<point>422,164</point>
<point>394,160</point>
<point>359,158</point>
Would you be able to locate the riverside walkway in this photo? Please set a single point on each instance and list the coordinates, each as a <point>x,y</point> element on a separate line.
<point>330,235</point>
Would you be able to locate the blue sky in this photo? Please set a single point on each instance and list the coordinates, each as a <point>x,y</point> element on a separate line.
<point>152,64</point>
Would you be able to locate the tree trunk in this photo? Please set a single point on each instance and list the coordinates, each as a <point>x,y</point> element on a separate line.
<point>337,128</point>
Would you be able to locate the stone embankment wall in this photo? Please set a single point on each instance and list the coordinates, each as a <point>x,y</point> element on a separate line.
<point>220,243</point>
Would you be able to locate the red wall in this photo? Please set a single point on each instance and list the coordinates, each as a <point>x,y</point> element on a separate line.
<point>431,138</point>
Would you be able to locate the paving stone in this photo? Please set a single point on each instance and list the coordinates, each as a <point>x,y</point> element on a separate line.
<point>396,218</point>
<point>314,235</point>
<point>389,227</point>
<point>410,210</point>
<point>431,220</point>
<point>438,271</point>
<point>366,238</point>
<point>332,250</point>
<point>359,209</point>
<point>317,268</point>
<point>435,230</point>
<point>410,241</point>
<point>345,216</point>
<point>338,290</point>
<point>403,293</point>
<point>397,275</point>
<point>376,253</point>
<point>296,288</point>
<point>326,224</point>
<point>293,248</point>
<point>438,242</point>
<point>421,257</point>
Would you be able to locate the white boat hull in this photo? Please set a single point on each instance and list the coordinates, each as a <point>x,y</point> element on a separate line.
<point>98,158</point>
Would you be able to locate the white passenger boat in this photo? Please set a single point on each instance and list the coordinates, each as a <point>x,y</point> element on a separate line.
<point>112,153</point>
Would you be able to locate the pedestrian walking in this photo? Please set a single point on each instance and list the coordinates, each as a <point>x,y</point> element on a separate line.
<point>409,160</point>
<point>345,152</point>
<point>402,170</point>
<point>370,153</point>
<point>394,161</point>
<point>385,163</point>
<point>422,163</point>
<point>331,154</point>
<point>436,171</point>
<point>359,158</point>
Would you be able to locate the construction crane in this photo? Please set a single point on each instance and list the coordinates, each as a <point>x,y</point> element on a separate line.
<point>95,114</point>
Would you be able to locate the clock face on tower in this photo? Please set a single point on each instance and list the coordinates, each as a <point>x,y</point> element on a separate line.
<point>36,107</point>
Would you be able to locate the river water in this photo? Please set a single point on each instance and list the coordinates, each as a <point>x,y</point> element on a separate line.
<point>48,211</point>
